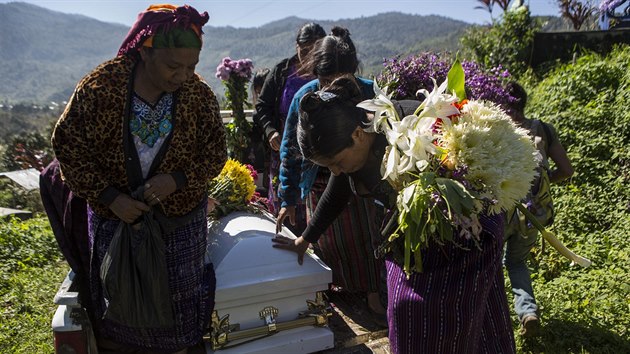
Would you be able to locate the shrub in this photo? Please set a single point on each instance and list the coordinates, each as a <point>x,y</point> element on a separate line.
<point>404,77</point>
<point>26,244</point>
<point>506,42</point>
<point>586,310</point>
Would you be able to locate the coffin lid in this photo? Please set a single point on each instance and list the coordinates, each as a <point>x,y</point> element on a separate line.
<point>246,264</point>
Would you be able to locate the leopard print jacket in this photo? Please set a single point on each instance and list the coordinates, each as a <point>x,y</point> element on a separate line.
<point>91,140</point>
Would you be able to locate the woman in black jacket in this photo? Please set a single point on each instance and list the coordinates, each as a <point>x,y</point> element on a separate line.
<point>273,104</point>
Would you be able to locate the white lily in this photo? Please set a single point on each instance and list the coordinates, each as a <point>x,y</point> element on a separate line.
<point>437,103</point>
<point>421,143</point>
<point>406,164</point>
<point>392,160</point>
<point>383,109</point>
<point>398,134</point>
<point>405,197</point>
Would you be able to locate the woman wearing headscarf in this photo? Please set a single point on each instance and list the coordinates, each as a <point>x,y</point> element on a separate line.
<point>142,133</point>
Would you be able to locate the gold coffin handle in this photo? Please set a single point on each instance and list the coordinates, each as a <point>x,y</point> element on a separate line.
<point>223,333</point>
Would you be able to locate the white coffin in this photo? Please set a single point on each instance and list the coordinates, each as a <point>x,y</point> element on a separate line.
<point>253,276</point>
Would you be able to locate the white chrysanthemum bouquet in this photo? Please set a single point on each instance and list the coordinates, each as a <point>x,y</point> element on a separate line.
<point>452,160</point>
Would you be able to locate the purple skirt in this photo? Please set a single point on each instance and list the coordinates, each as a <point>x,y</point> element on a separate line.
<point>457,305</point>
<point>191,283</point>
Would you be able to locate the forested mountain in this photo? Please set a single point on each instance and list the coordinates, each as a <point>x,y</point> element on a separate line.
<point>44,53</point>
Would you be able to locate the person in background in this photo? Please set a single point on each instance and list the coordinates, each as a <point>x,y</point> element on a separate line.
<point>458,303</point>
<point>257,83</point>
<point>142,132</point>
<point>348,244</point>
<point>258,145</point>
<point>520,237</point>
<point>272,107</point>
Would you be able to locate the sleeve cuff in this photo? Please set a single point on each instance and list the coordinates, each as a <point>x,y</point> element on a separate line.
<point>311,235</point>
<point>180,179</point>
<point>108,195</point>
<point>269,130</point>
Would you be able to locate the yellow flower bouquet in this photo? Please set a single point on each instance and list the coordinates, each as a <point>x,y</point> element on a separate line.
<point>233,189</point>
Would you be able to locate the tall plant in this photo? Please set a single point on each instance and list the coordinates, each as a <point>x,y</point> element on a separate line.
<point>235,75</point>
<point>27,150</point>
<point>577,12</point>
<point>489,5</point>
<point>506,42</point>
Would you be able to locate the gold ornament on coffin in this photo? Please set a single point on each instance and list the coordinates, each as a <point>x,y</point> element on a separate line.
<point>224,335</point>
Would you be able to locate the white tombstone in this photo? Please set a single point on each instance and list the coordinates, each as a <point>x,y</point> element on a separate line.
<point>265,302</point>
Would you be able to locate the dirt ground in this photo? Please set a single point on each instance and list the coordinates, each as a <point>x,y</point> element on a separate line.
<point>356,330</point>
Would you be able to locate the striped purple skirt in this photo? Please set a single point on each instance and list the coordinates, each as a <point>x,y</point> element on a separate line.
<point>457,305</point>
<point>191,283</point>
<point>347,246</point>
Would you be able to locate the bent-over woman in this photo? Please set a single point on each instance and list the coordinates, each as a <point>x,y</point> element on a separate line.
<point>458,303</point>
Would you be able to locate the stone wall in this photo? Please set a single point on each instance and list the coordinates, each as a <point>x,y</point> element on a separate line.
<point>549,46</point>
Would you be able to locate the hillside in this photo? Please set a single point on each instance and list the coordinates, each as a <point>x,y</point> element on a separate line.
<point>44,53</point>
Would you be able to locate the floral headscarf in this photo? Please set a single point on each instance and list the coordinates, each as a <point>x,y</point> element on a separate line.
<point>165,26</point>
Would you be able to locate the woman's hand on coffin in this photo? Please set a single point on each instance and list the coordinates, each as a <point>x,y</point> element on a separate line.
<point>282,214</point>
<point>127,208</point>
<point>298,245</point>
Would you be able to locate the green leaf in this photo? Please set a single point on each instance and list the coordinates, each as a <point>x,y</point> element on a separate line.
<point>418,206</point>
<point>426,179</point>
<point>456,80</point>
<point>458,198</point>
<point>407,262</point>
<point>445,230</point>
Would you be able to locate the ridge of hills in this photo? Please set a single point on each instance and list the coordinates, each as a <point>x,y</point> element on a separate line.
<point>44,53</point>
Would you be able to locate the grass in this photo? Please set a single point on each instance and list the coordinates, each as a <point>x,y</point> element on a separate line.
<point>27,309</point>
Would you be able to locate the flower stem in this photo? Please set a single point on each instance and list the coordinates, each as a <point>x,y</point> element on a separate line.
<point>553,240</point>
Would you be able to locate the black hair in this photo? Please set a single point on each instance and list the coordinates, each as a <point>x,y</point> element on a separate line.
<point>333,54</point>
<point>519,94</point>
<point>259,79</point>
<point>329,117</point>
<point>309,32</point>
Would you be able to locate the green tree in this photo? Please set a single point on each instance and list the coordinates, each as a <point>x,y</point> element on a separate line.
<point>27,150</point>
<point>577,12</point>
<point>489,5</point>
<point>507,42</point>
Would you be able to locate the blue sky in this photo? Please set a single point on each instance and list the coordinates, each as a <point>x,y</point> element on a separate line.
<point>253,13</point>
